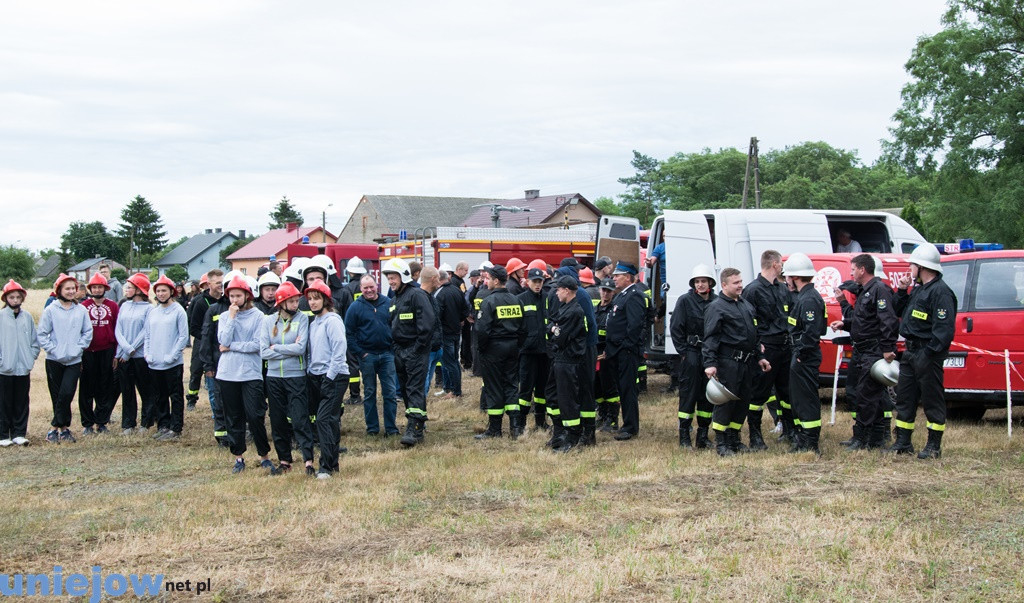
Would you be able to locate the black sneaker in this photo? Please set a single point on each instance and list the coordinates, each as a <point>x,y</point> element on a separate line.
<point>268,464</point>
<point>102,429</point>
<point>310,471</point>
<point>65,436</point>
<point>283,468</point>
<point>53,436</point>
<point>88,431</point>
<point>190,406</point>
<point>239,466</point>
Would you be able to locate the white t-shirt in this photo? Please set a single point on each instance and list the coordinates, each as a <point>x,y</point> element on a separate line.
<point>853,247</point>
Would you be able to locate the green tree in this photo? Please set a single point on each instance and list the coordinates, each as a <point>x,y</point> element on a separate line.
<point>141,229</point>
<point>814,175</point>
<point>965,98</point>
<point>16,263</point>
<point>233,247</point>
<point>911,215</point>
<point>639,200</point>
<point>84,240</point>
<point>607,206</point>
<point>283,213</point>
<point>705,180</point>
<point>177,273</point>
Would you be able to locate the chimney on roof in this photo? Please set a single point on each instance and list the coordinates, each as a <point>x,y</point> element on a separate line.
<point>209,231</point>
<point>532,193</point>
<point>216,230</point>
<point>241,233</point>
<point>292,226</point>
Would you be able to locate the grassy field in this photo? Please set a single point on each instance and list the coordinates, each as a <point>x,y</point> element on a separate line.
<point>457,520</point>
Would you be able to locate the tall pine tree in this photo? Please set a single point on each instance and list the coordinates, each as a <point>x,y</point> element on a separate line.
<point>284,213</point>
<point>141,228</point>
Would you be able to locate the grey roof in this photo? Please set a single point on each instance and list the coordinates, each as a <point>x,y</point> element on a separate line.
<point>411,212</point>
<point>85,264</point>
<point>544,208</point>
<point>192,248</point>
<point>48,267</point>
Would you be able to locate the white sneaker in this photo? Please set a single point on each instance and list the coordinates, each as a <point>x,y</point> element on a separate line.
<point>5,442</point>
<point>439,393</point>
<point>20,441</point>
<point>323,475</point>
<point>777,428</point>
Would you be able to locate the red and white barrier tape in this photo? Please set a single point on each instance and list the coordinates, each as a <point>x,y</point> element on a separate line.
<point>989,353</point>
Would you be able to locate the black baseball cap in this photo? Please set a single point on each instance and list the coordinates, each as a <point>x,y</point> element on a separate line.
<point>536,274</point>
<point>608,284</point>
<point>567,282</point>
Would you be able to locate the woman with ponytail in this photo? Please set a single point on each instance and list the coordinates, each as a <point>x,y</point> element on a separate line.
<point>283,341</point>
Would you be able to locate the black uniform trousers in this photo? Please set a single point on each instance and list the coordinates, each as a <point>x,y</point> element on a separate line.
<point>533,380</point>
<point>133,375</point>
<point>466,345</point>
<point>281,392</point>
<point>803,387</point>
<point>626,363</point>
<point>920,383</point>
<point>738,376</point>
<point>327,395</point>
<point>14,403</point>
<point>62,381</point>
<point>411,369</point>
<point>585,379</point>
<point>97,387</point>
<point>566,378</point>
<point>242,402</point>
<point>352,360</point>
<point>169,405</point>
<point>499,364</point>
<point>195,372</point>
<point>779,355</point>
<point>693,383</point>
<point>606,384</point>
<point>870,394</point>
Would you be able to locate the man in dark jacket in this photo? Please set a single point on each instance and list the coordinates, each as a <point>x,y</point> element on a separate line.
<point>533,359</point>
<point>413,323</point>
<point>196,313</point>
<point>368,331</point>
<point>209,356</point>
<point>624,345</point>
<point>807,322</point>
<point>500,333</point>
<point>453,309</point>
<point>567,345</point>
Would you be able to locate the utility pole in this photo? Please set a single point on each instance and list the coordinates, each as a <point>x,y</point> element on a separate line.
<point>323,221</point>
<point>752,162</point>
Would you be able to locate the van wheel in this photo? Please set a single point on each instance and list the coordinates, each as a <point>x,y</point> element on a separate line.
<point>968,414</point>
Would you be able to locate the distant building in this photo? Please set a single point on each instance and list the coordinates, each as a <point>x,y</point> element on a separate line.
<point>84,270</point>
<point>275,244</point>
<point>199,254</point>
<point>547,211</point>
<point>376,215</point>
<point>47,269</point>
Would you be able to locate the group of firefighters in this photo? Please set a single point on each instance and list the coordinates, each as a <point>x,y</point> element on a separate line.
<point>544,341</point>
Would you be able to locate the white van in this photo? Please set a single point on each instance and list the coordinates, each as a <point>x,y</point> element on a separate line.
<point>724,238</point>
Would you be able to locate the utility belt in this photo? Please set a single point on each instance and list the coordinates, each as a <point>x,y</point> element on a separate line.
<point>865,344</point>
<point>914,345</point>
<point>695,341</point>
<point>735,353</point>
<point>780,339</point>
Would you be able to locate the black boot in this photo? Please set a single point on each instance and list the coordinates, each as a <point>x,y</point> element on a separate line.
<point>557,434</point>
<point>684,433</point>
<point>722,446</point>
<point>859,441</point>
<point>810,440</point>
<point>903,444</point>
<point>853,436</point>
<point>493,428</point>
<point>588,435</point>
<point>539,418</point>
<point>754,427</point>
<point>876,436</point>
<point>602,415</point>
<point>799,443</point>
<point>736,443</point>
<point>613,418</point>
<point>413,433</point>
<point>517,424</point>
<point>933,449</point>
<point>701,440</point>
<point>571,440</point>
<point>787,434</point>
<point>886,430</point>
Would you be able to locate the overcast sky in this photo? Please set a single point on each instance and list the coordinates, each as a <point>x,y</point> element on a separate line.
<point>214,110</point>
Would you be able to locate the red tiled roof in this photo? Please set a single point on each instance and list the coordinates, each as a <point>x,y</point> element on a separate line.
<point>274,242</point>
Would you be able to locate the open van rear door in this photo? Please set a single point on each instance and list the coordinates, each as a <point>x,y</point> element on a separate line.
<point>787,232</point>
<point>618,238</point>
<point>687,243</point>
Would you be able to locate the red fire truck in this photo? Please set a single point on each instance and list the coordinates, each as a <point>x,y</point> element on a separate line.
<point>341,253</point>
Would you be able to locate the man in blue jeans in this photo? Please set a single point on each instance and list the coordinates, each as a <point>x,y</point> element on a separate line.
<point>368,331</point>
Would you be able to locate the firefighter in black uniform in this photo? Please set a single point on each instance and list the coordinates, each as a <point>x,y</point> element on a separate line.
<point>929,315</point>
<point>196,313</point>
<point>533,359</point>
<point>731,354</point>
<point>499,334</point>
<point>872,327</point>
<point>209,356</point>
<point>606,381</point>
<point>687,331</point>
<point>807,323</point>
<point>412,330</point>
<point>770,298</point>
<point>476,297</point>
<point>624,345</point>
<point>567,343</point>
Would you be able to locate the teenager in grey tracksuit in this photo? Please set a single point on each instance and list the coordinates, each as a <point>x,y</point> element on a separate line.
<point>240,374</point>
<point>283,344</point>
<point>64,332</point>
<point>166,336</point>
<point>18,352</point>
<point>328,374</point>
<point>132,370</point>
